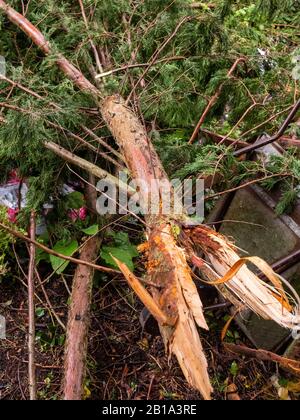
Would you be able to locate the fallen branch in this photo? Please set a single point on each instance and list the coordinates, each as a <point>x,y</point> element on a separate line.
<point>79,312</point>
<point>56,254</point>
<point>266,356</point>
<point>72,135</point>
<point>286,141</point>
<point>68,132</point>
<point>85,164</point>
<point>71,157</point>
<point>38,38</point>
<point>272,139</point>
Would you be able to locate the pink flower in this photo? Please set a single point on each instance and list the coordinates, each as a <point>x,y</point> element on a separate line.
<point>12,215</point>
<point>73,215</point>
<point>83,213</point>
<point>14,177</point>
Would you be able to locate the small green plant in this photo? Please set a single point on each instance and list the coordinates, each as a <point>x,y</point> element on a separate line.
<point>65,248</point>
<point>52,337</point>
<point>234,369</point>
<point>121,248</point>
<point>5,243</point>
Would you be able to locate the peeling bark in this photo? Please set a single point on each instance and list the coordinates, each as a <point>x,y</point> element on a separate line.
<point>175,292</point>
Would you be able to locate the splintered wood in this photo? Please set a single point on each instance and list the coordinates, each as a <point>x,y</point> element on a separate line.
<point>267,301</point>
<point>173,290</point>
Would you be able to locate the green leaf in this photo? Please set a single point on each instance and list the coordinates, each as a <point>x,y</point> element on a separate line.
<point>234,368</point>
<point>122,255</point>
<point>120,238</point>
<point>41,256</point>
<point>40,312</point>
<point>58,264</point>
<point>74,200</point>
<point>123,250</point>
<point>91,231</point>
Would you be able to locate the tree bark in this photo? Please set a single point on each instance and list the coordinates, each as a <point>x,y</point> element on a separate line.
<point>78,324</point>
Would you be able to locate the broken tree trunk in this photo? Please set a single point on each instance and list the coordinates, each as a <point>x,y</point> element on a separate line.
<point>174,292</point>
<point>144,164</point>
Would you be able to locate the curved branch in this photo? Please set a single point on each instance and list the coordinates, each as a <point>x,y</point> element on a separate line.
<point>56,254</point>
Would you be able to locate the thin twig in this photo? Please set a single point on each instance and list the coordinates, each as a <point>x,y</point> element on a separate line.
<point>246,184</point>
<point>272,139</point>
<point>97,58</point>
<point>56,254</point>
<point>51,309</point>
<point>156,55</point>
<point>263,355</point>
<point>139,65</point>
<point>103,143</point>
<point>245,134</point>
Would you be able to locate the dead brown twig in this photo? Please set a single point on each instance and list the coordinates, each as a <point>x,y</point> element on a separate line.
<point>56,254</point>
<point>276,136</point>
<point>264,355</point>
